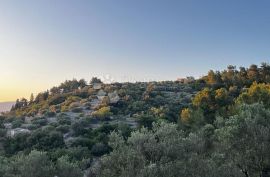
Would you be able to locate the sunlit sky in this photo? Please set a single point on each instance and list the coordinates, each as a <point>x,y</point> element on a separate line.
<point>45,42</point>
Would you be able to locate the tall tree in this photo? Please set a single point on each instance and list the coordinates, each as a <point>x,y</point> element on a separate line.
<point>253,73</point>
<point>245,140</point>
<point>265,72</point>
<point>31,98</point>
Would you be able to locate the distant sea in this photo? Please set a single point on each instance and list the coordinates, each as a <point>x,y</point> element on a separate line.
<point>6,106</point>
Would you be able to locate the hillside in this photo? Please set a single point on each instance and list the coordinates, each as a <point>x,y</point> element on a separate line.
<point>145,128</point>
<point>107,102</point>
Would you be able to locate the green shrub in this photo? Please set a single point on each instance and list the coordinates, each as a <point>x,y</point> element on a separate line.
<point>57,99</point>
<point>63,128</point>
<point>17,123</point>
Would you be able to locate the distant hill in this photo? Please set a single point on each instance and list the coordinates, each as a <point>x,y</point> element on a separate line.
<point>6,106</point>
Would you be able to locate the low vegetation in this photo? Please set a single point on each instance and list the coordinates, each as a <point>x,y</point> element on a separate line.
<point>217,125</point>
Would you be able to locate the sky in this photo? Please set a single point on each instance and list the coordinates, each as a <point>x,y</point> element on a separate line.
<point>45,42</point>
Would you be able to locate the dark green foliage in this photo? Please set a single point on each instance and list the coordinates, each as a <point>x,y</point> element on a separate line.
<point>146,120</point>
<point>63,119</point>
<point>50,114</point>
<point>163,151</point>
<point>124,130</point>
<point>16,144</point>
<point>245,139</point>
<point>74,153</point>
<point>83,142</point>
<point>66,168</point>
<point>38,164</point>
<point>77,110</point>
<point>99,149</point>
<point>95,80</point>
<point>40,122</point>
<point>63,128</point>
<point>79,128</point>
<point>46,140</point>
<point>57,99</point>
<point>17,123</point>
<point>42,97</point>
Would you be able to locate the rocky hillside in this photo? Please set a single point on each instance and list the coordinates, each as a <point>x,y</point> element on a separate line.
<point>77,114</point>
<point>96,129</point>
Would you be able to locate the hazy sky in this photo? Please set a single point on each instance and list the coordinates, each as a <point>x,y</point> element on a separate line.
<point>44,42</point>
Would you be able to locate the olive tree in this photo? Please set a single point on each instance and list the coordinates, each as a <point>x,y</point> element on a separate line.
<point>245,139</point>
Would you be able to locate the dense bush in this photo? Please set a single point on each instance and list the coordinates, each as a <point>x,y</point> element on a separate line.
<point>57,99</point>
<point>38,164</point>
